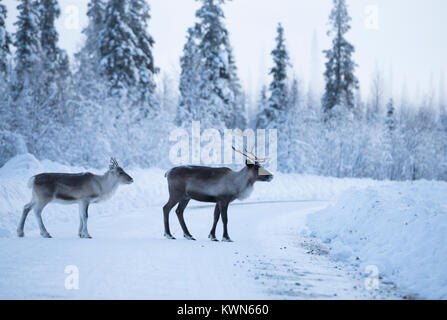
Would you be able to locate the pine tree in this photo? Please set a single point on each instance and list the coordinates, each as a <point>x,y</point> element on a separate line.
<point>87,79</point>
<point>263,99</point>
<point>117,42</point>
<point>28,49</point>
<point>55,62</point>
<point>49,11</point>
<point>90,54</point>
<point>274,114</point>
<point>340,67</point>
<point>238,118</point>
<point>216,96</point>
<point>289,147</point>
<point>126,61</point>
<point>5,43</point>
<point>190,64</point>
<point>139,15</point>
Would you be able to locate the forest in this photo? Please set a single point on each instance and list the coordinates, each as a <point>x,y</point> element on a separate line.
<point>105,99</point>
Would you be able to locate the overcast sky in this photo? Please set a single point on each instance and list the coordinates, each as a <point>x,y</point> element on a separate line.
<point>404,38</point>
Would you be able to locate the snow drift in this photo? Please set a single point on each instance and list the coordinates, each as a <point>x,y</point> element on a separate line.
<point>401,228</point>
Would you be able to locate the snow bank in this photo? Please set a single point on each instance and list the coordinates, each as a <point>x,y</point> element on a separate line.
<point>401,228</point>
<point>149,192</point>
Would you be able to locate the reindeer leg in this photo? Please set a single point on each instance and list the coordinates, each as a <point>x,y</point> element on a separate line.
<point>83,213</point>
<point>25,212</point>
<point>81,226</point>
<point>166,210</point>
<point>224,212</point>
<point>212,235</point>
<point>180,209</point>
<point>38,213</point>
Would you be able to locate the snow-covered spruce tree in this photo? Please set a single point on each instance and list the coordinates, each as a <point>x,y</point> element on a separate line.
<point>274,115</point>
<point>290,132</point>
<point>238,118</point>
<point>339,75</point>
<point>190,63</point>
<point>126,54</point>
<point>49,11</point>
<point>90,54</point>
<point>5,43</point>
<point>278,113</point>
<point>216,96</point>
<point>139,15</point>
<point>28,50</point>
<point>263,99</point>
<point>89,86</point>
<point>55,62</point>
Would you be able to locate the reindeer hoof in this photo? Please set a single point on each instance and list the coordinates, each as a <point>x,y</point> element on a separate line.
<point>46,235</point>
<point>189,237</point>
<point>169,236</point>
<point>85,236</point>
<point>20,234</point>
<point>226,239</point>
<point>213,238</point>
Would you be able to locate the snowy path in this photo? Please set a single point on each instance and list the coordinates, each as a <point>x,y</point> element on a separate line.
<point>128,259</point>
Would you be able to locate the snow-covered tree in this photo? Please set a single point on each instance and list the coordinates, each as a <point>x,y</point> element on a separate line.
<point>89,55</point>
<point>263,99</point>
<point>216,97</point>
<point>190,63</point>
<point>289,135</point>
<point>5,43</point>
<point>339,75</point>
<point>126,61</point>
<point>238,119</point>
<point>274,114</point>
<point>139,15</point>
<point>88,83</point>
<point>49,11</point>
<point>55,62</point>
<point>210,89</point>
<point>27,43</point>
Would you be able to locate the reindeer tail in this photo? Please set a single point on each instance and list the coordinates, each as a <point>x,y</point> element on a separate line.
<point>31,182</point>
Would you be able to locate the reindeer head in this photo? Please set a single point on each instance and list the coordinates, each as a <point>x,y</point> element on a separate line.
<point>116,170</point>
<point>254,165</point>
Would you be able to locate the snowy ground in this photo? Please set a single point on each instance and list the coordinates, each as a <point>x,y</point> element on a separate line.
<point>273,256</point>
<point>128,258</point>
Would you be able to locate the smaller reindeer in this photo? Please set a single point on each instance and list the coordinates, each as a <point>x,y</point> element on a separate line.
<point>214,185</point>
<point>83,189</point>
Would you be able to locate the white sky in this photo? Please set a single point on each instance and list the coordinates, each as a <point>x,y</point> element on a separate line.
<point>409,46</point>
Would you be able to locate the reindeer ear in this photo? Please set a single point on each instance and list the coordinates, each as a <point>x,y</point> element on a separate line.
<point>249,163</point>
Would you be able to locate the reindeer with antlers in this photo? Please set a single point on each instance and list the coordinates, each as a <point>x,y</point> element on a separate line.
<point>83,189</point>
<point>214,185</point>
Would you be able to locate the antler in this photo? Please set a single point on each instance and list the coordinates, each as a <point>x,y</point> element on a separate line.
<point>263,160</point>
<point>113,163</point>
<point>251,155</point>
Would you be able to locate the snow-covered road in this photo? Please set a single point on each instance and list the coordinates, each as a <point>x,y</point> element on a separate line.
<point>129,259</point>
